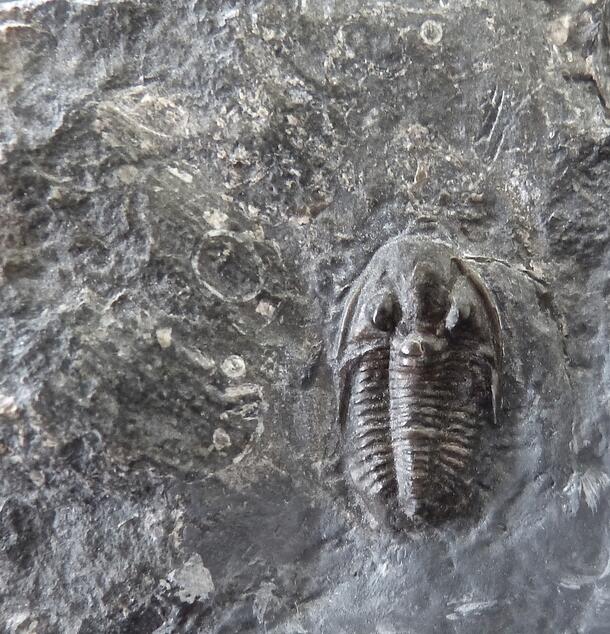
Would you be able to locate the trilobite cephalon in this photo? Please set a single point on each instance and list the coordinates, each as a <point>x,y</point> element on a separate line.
<point>419,357</point>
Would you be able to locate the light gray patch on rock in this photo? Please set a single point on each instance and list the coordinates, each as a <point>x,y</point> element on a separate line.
<point>192,581</point>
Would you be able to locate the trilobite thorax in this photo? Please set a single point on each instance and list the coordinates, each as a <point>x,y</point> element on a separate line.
<point>419,358</point>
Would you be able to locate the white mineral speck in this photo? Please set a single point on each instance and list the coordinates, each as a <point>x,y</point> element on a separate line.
<point>221,439</point>
<point>127,174</point>
<point>216,219</point>
<point>8,406</point>
<point>560,30</point>
<point>164,337</point>
<point>265,308</point>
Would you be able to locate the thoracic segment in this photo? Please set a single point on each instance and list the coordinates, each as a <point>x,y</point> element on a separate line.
<point>434,426</point>
<point>414,426</point>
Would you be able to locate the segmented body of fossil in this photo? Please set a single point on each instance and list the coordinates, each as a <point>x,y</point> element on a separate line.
<point>419,358</point>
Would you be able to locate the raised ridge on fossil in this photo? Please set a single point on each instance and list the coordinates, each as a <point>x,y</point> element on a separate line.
<point>419,358</point>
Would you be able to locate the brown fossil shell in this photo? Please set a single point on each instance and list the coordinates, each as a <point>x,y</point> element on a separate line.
<point>419,358</point>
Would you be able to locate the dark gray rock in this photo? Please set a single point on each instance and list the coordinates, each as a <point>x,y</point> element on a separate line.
<point>188,189</point>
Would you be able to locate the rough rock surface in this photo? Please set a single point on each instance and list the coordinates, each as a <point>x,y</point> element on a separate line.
<point>187,190</point>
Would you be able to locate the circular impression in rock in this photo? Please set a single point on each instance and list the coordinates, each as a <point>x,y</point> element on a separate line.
<point>228,266</point>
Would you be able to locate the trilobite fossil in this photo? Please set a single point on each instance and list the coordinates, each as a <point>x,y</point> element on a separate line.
<point>419,357</point>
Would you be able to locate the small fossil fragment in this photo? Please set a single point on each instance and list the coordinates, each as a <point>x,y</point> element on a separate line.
<point>228,266</point>
<point>431,32</point>
<point>419,358</point>
<point>233,366</point>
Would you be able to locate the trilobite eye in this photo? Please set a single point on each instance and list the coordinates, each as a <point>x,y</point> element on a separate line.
<point>386,314</point>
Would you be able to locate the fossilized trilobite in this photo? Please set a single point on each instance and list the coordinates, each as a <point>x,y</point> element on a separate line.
<point>419,357</point>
